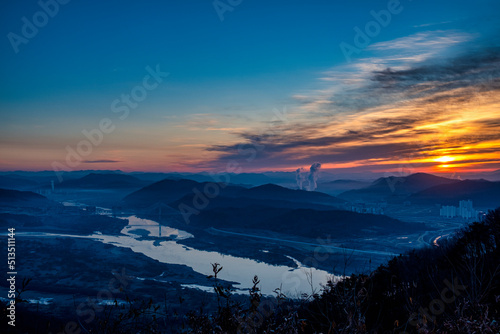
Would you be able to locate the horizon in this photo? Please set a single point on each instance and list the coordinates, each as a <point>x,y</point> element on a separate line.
<point>331,174</point>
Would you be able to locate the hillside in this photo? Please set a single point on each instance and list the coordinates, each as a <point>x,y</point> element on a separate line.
<point>16,182</point>
<point>243,202</point>
<point>103,181</point>
<point>452,289</point>
<point>25,199</point>
<point>303,222</point>
<point>275,192</point>
<point>168,191</point>
<point>339,186</point>
<point>483,193</point>
<point>394,188</point>
<point>241,178</point>
<point>175,192</point>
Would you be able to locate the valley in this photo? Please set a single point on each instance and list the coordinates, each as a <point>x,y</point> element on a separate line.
<point>73,242</point>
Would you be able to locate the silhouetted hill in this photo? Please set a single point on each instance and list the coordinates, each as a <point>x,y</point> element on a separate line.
<point>303,222</point>
<point>168,191</point>
<point>339,186</point>
<point>243,202</point>
<point>104,181</point>
<point>16,182</point>
<point>395,188</point>
<point>492,176</point>
<point>483,193</point>
<point>241,178</point>
<point>164,191</point>
<point>174,192</point>
<point>461,276</point>
<point>246,178</point>
<point>275,192</point>
<point>16,198</point>
<point>9,195</point>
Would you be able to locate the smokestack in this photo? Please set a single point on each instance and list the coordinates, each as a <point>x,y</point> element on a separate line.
<point>313,175</point>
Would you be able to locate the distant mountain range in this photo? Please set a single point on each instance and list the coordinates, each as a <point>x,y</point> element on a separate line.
<point>483,193</point>
<point>394,188</point>
<point>339,186</point>
<point>165,191</point>
<point>417,188</point>
<point>275,192</point>
<point>104,181</point>
<point>428,189</point>
<point>240,179</point>
<point>183,191</point>
<point>490,176</point>
<point>144,190</point>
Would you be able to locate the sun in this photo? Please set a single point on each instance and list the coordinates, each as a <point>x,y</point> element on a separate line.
<point>445,158</point>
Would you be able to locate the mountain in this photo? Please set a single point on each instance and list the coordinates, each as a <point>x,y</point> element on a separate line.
<point>269,195</point>
<point>16,182</point>
<point>175,192</point>
<point>400,292</point>
<point>243,202</point>
<point>302,222</point>
<point>339,186</point>
<point>275,192</point>
<point>244,178</point>
<point>44,178</point>
<point>483,193</point>
<point>252,179</point>
<point>168,191</point>
<point>493,176</point>
<point>103,181</point>
<point>490,176</point>
<point>395,188</point>
<point>16,198</point>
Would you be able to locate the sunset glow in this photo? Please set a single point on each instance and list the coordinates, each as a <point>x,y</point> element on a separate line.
<point>423,97</point>
<point>445,159</point>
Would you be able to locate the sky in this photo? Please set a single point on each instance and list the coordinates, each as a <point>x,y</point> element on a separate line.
<point>240,85</point>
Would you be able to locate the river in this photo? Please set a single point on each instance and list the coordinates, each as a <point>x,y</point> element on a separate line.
<point>161,244</point>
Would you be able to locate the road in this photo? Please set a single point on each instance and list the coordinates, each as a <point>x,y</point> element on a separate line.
<point>306,243</point>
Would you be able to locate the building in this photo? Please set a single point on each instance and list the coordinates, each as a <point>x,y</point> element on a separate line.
<point>464,210</point>
<point>448,211</point>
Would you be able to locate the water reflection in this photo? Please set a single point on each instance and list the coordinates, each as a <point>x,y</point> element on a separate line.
<point>293,281</point>
<point>147,237</point>
<point>152,229</point>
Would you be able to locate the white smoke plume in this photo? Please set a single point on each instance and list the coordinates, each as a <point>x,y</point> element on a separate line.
<point>300,177</point>
<point>313,176</point>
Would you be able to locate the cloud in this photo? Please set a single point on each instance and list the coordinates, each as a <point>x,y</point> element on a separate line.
<point>427,40</point>
<point>99,161</point>
<point>213,122</point>
<point>413,97</point>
